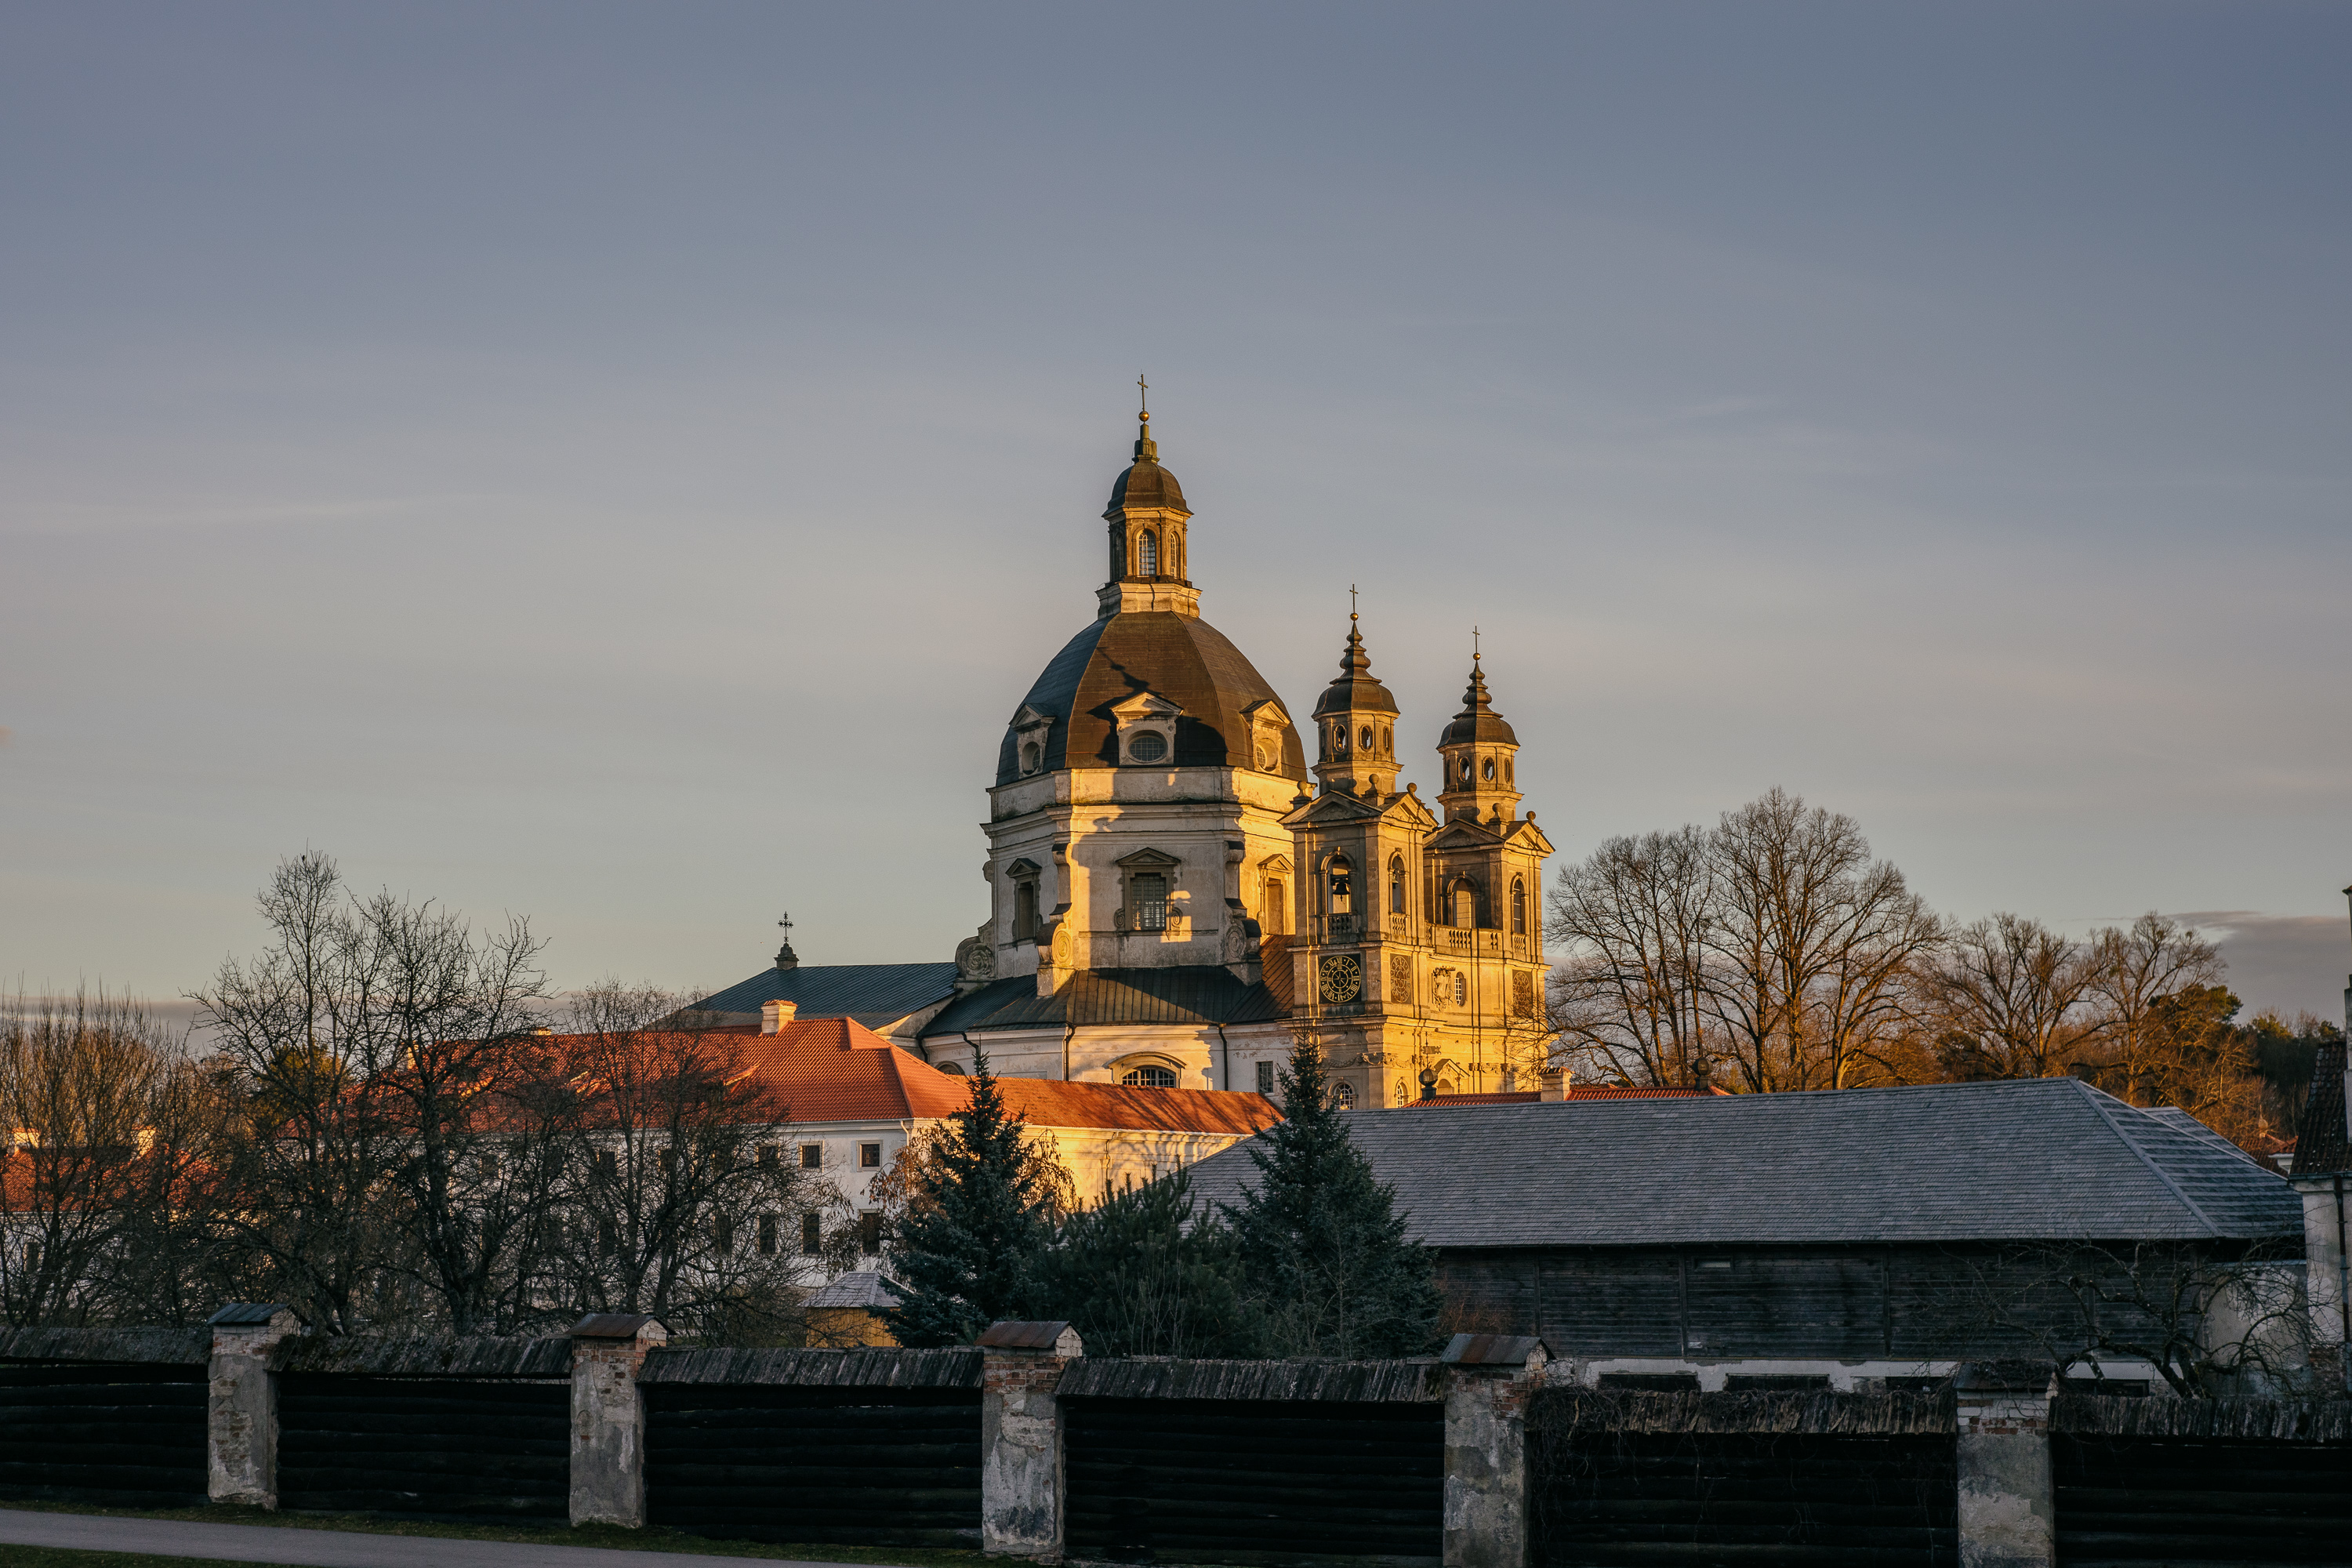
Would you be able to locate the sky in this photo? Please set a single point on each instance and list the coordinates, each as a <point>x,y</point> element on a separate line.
<point>625,464</point>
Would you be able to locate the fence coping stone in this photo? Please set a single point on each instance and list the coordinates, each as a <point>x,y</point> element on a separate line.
<point>1320,1381</point>
<point>170,1347</point>
<point>1494,1349</point>
<point>1814,1413</point>
<point>425,1356</point>
<point>864,1367</point>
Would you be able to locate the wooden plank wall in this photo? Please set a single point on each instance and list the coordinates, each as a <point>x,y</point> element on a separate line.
<point>1779,1302</point>
<point>2143,1501</point>
<point>815,1463</point>
<point>115,1435</point>
<point>1180,1480</point>
<point>1684,1500</point>
<point>431,1447</point>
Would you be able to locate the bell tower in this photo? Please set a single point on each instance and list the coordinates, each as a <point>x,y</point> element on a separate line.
<point>1355,726</point>
<point>1149,558</point>
<point>1481,754</point>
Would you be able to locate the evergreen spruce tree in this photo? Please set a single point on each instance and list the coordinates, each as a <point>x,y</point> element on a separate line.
<point>978,1211</point>
<point>1138,1275</point>
<point>1322,1248</point>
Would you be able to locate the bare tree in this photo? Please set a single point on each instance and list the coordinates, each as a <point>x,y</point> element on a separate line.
<point>1632,923</point>
<point>2211,1324</point>
<point>675,1197</point>
<point>2015,999</point>
<point>78,1085</point>
<point>372,1038</point>
<point>2131,972</point>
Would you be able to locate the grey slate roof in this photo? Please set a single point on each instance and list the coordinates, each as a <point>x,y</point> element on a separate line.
<point>2043,1159</point>
<point>1193,994</point>
<point>860,1287</point>
<point>872,994</point>
<point>2321,1143</point>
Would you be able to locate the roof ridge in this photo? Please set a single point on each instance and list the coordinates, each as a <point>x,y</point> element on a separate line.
<point>2132,1143</point>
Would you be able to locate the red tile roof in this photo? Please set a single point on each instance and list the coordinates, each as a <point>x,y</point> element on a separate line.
<point>835,1070</point>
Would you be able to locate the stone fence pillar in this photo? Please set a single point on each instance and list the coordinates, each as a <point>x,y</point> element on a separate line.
<point>2008,1501</point>
<point>241,1405</point>
<point>608,1417</point>
<point>1487,1380</point>
<point>1022,1498</point>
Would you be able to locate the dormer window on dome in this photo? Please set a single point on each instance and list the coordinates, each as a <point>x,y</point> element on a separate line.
<point>1146,731</point>
<point>1031,729</point>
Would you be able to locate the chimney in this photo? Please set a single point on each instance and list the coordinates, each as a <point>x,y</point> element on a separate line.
<point>1554,1084</point>
<point>775,1016</point>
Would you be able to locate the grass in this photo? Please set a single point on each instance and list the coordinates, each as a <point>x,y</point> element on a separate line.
<point>652,1539</point>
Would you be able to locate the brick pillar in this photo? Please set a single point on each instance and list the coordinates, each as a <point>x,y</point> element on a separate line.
<point>1488,1378</point>
<point>2008,1501</point>
<point>608,1417</point>
<point>241,1406</point>
<point>1021,1490</point>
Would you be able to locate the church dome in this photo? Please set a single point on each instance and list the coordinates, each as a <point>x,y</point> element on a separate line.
<point>1177,656</point>
<point>1477,720</point>
<point>1354,690</point>
<point>1146,483</point>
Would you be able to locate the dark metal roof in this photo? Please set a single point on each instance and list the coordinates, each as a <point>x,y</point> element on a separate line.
<point>246,1314</point>
<point>1031,1336</point>
<point>2320,1143</point>
<point>1194,993</point>
<point>1355,689</point>
<point>872,993</point>
<point>1147,484</point>
<point>1477,720</point>
<point>1491,1350</point>
<point>1180,658</point>
<point>2040,1159</point>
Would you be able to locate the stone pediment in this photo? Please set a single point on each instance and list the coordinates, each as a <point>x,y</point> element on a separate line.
<point>1145,705</point>
<point>1030,719</point>
<point>1525,834</point>
<point>1332,806</point>
<point>1464,835</point>
<point>1265,710</point>
<point>1024,867</point>
<point>1147,860</point>
<point>1407,807</point>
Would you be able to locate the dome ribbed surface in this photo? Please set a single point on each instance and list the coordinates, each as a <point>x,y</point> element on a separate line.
<point>1180,657</point>
<point>1147,484</point>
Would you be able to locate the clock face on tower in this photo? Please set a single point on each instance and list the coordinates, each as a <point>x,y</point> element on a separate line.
<point>1343,976</point>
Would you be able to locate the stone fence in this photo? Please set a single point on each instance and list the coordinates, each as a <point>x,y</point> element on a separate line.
<point>1022,1445</point>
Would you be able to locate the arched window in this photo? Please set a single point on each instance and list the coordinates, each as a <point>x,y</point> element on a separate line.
<point>1509,773</point>
<point>1147,554</point>
<point>1031,756</point>
<point>952,1070</point>
<point>1519,907</point>
<point>1465,905</point>
<point>1343,1097</point>
<point>1466,770</point>
<point>1275,918</point>
<point>1461,989</point>
<point>1343,886</point>
<point>1024,911</point>
<point>1149,746</point>
<point>1364,737</point>
<point>1396,884</point>
<point>1487,773</point>
<point>1338,740</point>
<point>1147,895</point>
<point>1148,1077</point>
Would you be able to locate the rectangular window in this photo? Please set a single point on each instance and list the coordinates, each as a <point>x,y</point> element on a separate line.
<point>768,1158</point>
<point>869,1156</point>
<point>1265,1079</point>
<point>1278,907</point>
<point>1147,900</point>
<point>767,1236</point>
<point>812,1156</point>
<point>722,1236</point>
<point>1024,911</point>
<point>811,1236</point>
<point>606,1163</point>
<point>869,1234</point>
<point>608,1239</point>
